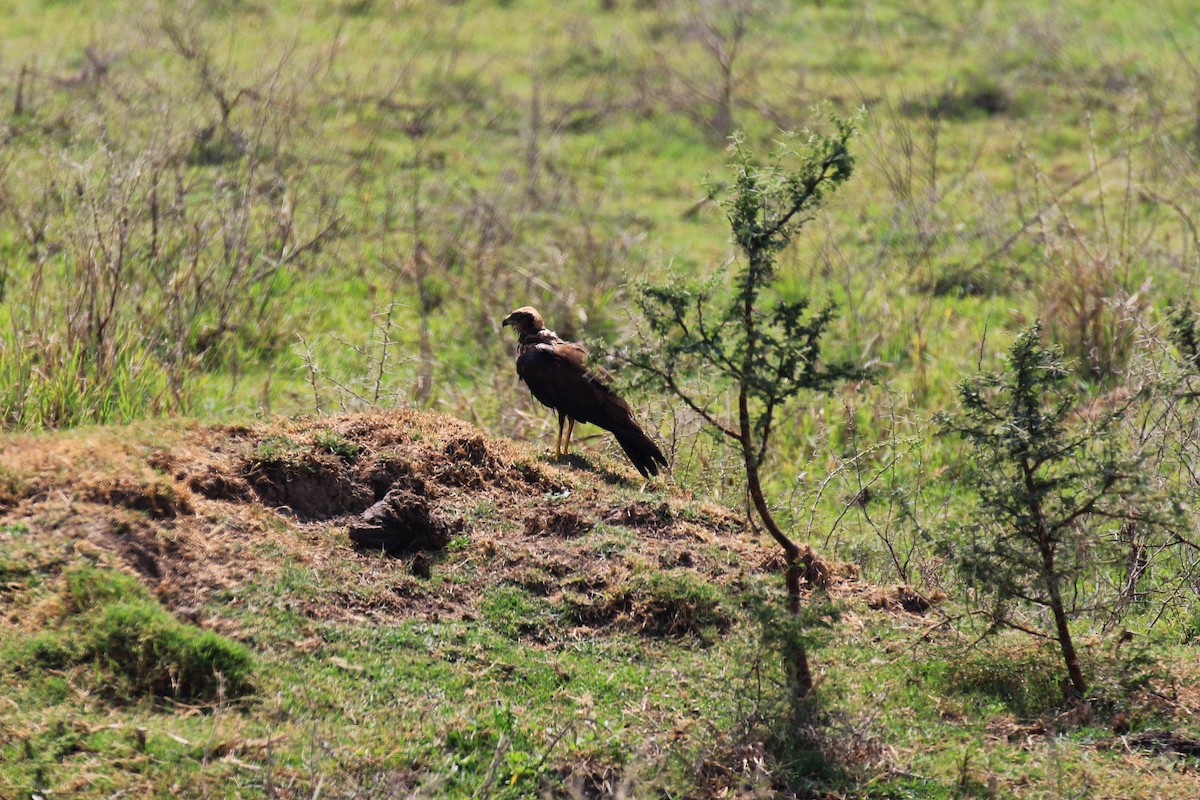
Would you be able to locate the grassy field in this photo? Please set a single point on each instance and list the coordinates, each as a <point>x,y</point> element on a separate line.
<point>242,214</point>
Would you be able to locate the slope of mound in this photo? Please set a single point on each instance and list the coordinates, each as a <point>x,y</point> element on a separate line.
<point>198,512</point>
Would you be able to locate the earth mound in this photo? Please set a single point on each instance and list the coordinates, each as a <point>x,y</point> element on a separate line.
<point>375,504</point>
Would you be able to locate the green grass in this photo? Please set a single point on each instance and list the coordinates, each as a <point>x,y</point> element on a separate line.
<point>519,701</point>
<point>338,445</point>
<point>124,645</point>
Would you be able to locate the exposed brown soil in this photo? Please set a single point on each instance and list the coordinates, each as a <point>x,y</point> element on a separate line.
<point>199,511</point>
<point>557,522</point>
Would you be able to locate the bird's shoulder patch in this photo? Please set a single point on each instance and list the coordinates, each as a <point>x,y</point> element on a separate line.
<point>567,352</point>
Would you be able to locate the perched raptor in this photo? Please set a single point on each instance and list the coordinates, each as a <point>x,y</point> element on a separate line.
<point>555,373</point>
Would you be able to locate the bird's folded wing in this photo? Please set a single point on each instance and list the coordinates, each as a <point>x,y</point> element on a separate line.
<point>558,377</point>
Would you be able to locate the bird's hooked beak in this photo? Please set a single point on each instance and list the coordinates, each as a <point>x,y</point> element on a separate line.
<point>524,319</point>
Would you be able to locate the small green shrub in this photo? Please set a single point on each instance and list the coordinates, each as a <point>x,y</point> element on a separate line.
<point>1184,333</point>
<point>765,346</point>
<point>136,646</point>
<point>1055,495</point>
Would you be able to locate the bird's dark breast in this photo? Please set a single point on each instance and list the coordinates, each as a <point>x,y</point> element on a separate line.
<point>537,369</point>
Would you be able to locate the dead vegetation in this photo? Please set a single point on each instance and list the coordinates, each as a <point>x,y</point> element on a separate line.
<point>902,598</point>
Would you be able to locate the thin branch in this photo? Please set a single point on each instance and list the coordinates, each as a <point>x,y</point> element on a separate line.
<point>669,381</point>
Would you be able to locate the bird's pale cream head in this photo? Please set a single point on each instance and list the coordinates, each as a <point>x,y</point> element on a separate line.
<point>525,319</point>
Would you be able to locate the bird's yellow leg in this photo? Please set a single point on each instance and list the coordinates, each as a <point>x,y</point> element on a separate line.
<point>570,430</point>
<point>558,451</point>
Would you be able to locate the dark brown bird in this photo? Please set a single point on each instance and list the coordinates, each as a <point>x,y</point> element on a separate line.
<point>555,372</point>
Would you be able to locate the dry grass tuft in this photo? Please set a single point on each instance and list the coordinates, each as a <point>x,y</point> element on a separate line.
<point>902,598</point>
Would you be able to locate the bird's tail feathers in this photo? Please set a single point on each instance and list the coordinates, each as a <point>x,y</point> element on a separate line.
<point>644,453</point>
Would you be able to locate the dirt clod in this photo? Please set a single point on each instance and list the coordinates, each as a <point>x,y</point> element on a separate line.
<point>559,522</point>
<point>422,566</point>
<point>400,522</point>
<point>642,515</point>
<point>387,472</point>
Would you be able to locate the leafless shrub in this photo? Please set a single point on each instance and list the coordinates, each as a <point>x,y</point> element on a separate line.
<point>345,375</point>
<point>1162,573</point>
<point>942,217</point>
<point>706,65</point>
